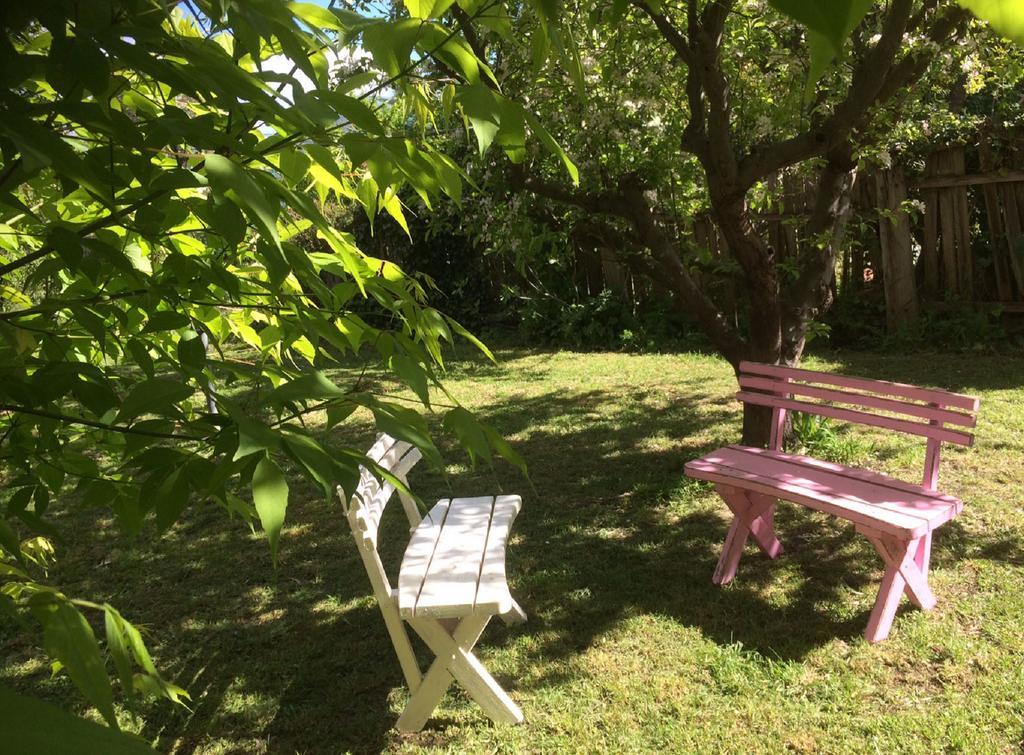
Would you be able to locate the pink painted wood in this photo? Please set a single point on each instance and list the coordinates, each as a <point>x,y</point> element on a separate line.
<point>752,516</point>
<point>882,387</point>
<point>925,411</point>
<point>897,517</point>
<point>894,507</point>
<point>911,427</point>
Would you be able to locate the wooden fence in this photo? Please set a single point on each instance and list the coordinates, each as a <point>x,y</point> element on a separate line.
<point>954,234</point>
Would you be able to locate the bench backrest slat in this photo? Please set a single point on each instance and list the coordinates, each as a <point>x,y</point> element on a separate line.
<point>365,506</point>
<point>363,509</point>
<point>924,411</point>
<point>923,429</point>
<point>931,413</point>
<point>916,393</point>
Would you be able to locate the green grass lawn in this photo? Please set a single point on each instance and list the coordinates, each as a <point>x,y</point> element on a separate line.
<point>629,646</point>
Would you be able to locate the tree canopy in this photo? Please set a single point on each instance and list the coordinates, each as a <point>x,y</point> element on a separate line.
<point>163,334</point>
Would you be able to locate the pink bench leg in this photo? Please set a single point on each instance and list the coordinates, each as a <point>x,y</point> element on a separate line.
<point>763,527</point>
<point>753,514</point>
<point>906,570</point>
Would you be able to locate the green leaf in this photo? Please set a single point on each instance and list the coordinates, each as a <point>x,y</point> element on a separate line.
<point>356,112</point>
<point>404,423</point>
<point>230,180</point>
<point>30,725</point>
<point>483,112</point>
<point>391,43</point>
<point>191,352</point>
<point>9,540</point>
<point>452,51</point>
<point>312,385</point>
<point>316,16</point>
<point>425,9</point>
<point>503,448</point>
<point>294,165</point>
<point>314,458</point>
<point>538,130</point>
<point>117,646</point>
<point>165,320</point>
<point>469,432</point>
<point>68,638</point>
<point>140,353</point>
<point>829,25</point>
<point>393,206</point>
<point>368,194</point>
<point>154,396</point>
<point>356,81</point>
<point>413,375</point>
<point>44,146</point>
<point>461,330</point>
<point>270,495</point>
<point>253,437</point>
<point>1006,16</point>
<point>170,499</point>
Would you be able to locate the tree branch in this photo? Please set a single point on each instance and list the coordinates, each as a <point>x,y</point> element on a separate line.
<point>665,264</point>
<point>71,420</point>
<point>466,25</point>
<point>864,91</point>
<point>668,30</point>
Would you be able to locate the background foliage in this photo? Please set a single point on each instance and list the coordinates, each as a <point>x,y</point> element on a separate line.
<point>203,205</point>
<point>162,334</point>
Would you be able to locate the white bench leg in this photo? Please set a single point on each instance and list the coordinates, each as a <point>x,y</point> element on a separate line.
<point>515,615</point>
<point>455,659</point>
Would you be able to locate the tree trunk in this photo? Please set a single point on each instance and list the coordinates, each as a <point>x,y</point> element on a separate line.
<point>757,425</point>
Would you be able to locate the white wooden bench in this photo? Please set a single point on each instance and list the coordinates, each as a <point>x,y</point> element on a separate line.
<point>897,517</point>
<point>450,584</point>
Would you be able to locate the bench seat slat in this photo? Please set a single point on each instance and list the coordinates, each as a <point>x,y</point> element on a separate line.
<point>450,581</point>
<point>492,595</point>
<point>851,415</point>
<point>859,399</point>
<point>418,554</point>
<point>916,393</point>
<point>859,496</point>
<point>856,473</point>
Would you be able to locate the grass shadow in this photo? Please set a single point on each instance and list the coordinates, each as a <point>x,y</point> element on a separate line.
<point>299,660</point>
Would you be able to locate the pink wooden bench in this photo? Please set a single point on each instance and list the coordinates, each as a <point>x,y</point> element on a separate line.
<point>897,517</point>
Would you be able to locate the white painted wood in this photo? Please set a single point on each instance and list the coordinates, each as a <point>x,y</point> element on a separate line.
<point>514,615</point>
<point>467,669</point>
<point>456,550</point>
<point>416,559</point>
<point>412,509</point>
<point>492,595</point>
<point>376,493</point>
<point>450,583</point>
<point>382,445</point>
<point>439,678</point>
<point>385,599</point>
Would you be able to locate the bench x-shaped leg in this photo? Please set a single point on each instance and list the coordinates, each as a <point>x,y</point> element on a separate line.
<point>455,660</point>
<point>906,570</point>
<point>753,514</point>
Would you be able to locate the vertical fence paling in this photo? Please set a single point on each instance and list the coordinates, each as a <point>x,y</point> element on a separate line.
<point>897,252</point>
<point>957,221</point>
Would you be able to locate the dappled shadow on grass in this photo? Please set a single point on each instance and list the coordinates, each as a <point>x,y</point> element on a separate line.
<point>600,540</point>
<point>955,543</point>
<point>977,372</point>
<point>292,662</point>
<point>611,529</point>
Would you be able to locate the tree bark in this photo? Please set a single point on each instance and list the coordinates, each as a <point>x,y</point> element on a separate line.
<point>780,311</point>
